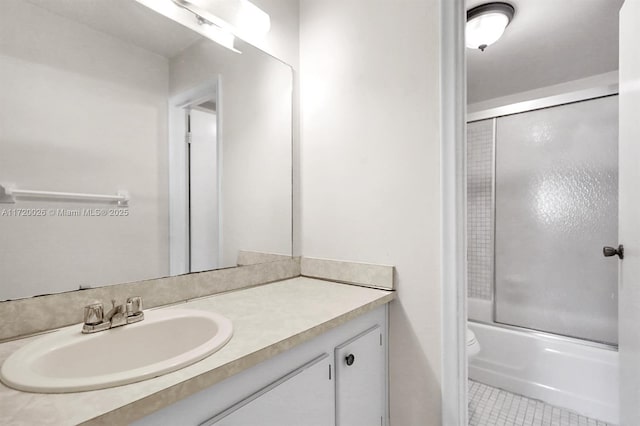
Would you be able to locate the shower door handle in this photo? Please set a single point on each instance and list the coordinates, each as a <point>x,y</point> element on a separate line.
<point>611,251</point>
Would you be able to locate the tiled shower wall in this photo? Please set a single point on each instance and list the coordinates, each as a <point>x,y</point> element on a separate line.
<point>480,209</point>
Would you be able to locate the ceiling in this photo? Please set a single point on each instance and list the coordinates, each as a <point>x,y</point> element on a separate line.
<point>548,42</point>
<point>126,20</point>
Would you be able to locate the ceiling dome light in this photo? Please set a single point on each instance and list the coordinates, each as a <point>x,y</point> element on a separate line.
<point>486,24</point>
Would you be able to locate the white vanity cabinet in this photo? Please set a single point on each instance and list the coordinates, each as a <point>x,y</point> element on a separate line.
<point>302,397</point>
<point>313,384</point>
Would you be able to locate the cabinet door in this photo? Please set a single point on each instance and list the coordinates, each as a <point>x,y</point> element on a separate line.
<point>303,397</point>
<point>360,379</point>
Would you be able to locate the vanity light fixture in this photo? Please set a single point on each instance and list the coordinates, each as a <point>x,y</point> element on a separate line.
<point>486,24</point>
<point>239,17</point>
<point>190,19</point>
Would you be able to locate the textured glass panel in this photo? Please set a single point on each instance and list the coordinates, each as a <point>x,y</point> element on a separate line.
<point>556,207</point>
<point>479,209</point>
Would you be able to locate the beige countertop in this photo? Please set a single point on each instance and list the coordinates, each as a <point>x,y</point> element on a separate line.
<point>267,320</point>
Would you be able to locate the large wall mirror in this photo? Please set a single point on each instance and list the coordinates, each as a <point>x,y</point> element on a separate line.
<point>133,147</point>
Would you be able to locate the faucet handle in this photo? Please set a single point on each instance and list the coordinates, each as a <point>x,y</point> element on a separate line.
<point>93,313</point>
<point>134,305</point>
<point>134,309</point>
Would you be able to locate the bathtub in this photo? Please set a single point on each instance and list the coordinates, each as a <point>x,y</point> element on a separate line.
<point>566,372</point>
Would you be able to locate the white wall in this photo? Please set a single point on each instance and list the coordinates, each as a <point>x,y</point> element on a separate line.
<point>255,137</point>
<point>283,42</point>
<point>81,111</point>
<point>370,164</point>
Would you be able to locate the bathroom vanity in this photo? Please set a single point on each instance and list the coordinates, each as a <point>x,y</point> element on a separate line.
<point>340,374</point>
<point>304,351</point>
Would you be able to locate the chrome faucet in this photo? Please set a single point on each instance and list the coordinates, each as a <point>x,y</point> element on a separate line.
<point>96,320</point>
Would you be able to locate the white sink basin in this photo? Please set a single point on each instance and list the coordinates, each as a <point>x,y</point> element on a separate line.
<point>69,361</point>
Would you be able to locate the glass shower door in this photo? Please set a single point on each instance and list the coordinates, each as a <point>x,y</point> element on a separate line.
<point>556,207</point>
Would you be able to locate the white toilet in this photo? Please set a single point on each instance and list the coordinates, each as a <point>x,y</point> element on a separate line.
<point>473,347</point>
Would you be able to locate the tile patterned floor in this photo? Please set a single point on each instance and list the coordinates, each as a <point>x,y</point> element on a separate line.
<point>489,406</point>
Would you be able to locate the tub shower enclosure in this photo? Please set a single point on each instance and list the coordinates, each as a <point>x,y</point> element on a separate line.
<point>542,194</point>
